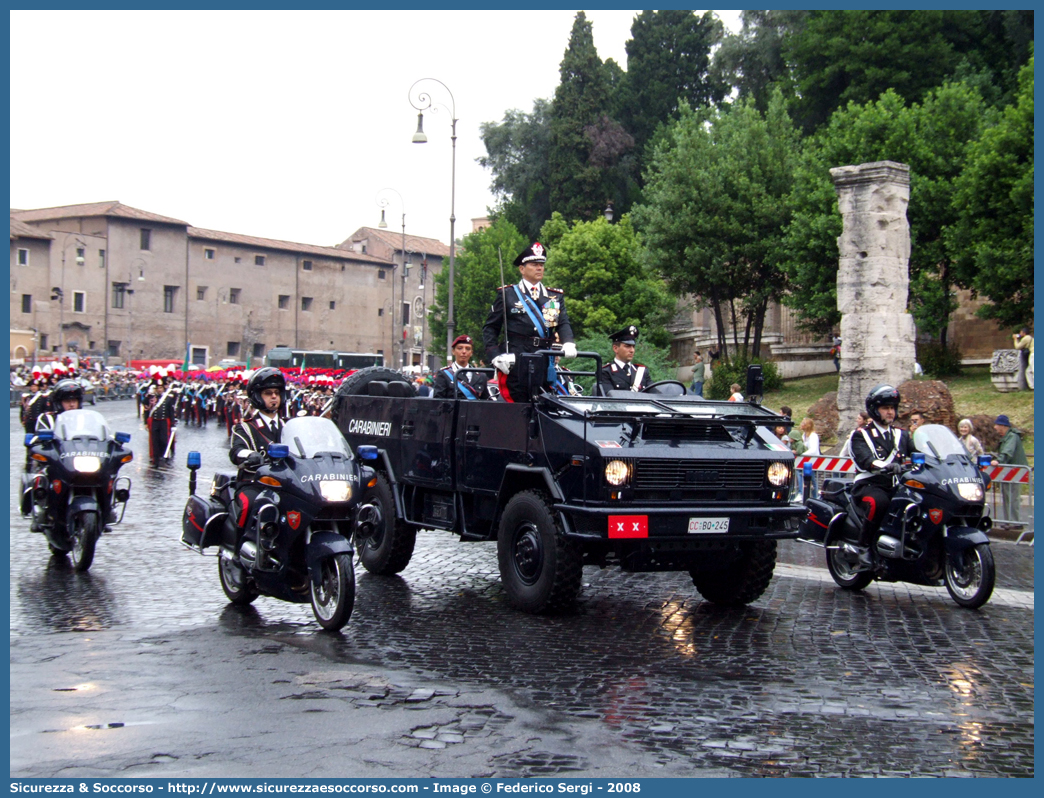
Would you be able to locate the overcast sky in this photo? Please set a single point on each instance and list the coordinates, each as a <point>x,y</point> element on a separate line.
<point>277,124</point>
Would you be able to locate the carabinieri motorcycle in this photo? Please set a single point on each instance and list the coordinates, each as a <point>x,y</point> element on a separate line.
<point>934,532</point>
<point>296,541</point>
<point>76,493</point>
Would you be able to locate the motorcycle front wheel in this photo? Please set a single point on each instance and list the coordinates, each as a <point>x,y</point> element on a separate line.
<point>334,597</point>
<point>970,579</point>
<point>84,534</point>
<point>842,571</point>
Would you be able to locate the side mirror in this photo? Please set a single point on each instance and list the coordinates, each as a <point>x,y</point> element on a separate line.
<point>277,451</point>
<point>367,452</point>
<point>123,437</point>
<point>755,383</point>
<point>194,458</point>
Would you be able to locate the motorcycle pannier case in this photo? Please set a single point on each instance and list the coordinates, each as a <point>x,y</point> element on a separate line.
<point>201,524</point>
<point>814,526</point>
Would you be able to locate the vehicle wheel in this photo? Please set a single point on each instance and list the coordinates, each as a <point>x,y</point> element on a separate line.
<point>741,581</point>
<point>84,536</point>
<point>842,571</point>
<point>238,586</point>
<point>539,568</point>
<point>334,598</point>
<point>970,582</point>
<point>389,549</point>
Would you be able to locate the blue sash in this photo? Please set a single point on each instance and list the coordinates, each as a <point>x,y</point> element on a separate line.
<point>464,387</point>
<point>533,311</point>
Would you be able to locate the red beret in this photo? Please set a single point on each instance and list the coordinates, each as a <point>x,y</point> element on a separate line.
<point>461,339</point>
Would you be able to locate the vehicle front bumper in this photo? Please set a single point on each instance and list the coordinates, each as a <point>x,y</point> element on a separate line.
<point>671,522</point>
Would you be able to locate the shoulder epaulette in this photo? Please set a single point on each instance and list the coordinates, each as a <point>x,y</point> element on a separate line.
<point>555,290</point>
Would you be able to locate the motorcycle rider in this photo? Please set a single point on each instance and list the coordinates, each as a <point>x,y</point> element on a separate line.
<point>266,392</point>
<point>67,395</point>
<point>878,450</point>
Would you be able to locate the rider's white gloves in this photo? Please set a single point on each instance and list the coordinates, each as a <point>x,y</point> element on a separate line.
<point>504,363</point>
<point>569,349</point>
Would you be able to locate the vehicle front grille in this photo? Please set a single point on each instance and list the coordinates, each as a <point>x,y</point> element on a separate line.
<point>699,475</point>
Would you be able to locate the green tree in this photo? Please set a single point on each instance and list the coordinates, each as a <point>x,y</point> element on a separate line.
<point>477,279</point>
<point>752,60</point>
<point>715,211</point>
<point>933,139</point>
<point>586,163</point>
<point>599,267</point>
<point>993,241</point>
<point>517,152</point>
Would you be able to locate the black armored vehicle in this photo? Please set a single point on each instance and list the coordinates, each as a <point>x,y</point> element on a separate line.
<point>652,481</point>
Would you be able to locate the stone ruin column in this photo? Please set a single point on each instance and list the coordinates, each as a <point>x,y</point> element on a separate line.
<point>873,279</point>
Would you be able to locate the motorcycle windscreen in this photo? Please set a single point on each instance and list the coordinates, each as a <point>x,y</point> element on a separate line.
<point>83,424</point>
<point>308,436</point>
<point>814,525</point>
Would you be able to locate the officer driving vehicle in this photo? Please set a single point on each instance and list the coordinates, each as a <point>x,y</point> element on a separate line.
<point>266,392</point>
<point>67,395</point>
<point>622,374</point>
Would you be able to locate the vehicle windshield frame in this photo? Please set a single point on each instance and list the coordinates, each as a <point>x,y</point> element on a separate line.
<point>83,423</point>
<point>309,436</point>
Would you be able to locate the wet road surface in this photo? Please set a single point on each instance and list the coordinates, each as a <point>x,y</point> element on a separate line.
<point>809,680</point>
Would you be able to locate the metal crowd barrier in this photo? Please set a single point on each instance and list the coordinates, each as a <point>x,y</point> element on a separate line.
<point>1004,477</point>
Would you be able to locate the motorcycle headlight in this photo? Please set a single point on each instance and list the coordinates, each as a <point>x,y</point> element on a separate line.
<point>617,472</point>
<point>335,490</point>
<point>86,464</point>
<point>779,474</point>
<point>970,491</point>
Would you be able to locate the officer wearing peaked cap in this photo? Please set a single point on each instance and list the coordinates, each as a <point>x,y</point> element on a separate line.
<point>623,374</point>
<point>536,319</point>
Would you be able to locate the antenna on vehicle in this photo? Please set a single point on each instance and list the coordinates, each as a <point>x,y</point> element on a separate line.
<point>507,346</point>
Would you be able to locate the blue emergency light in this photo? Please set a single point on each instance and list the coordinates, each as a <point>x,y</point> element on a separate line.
<point>367,452</point>
<point>194,460</point>
<point>277,451</point>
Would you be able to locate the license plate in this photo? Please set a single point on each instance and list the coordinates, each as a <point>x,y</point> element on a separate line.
<point>705,525</point>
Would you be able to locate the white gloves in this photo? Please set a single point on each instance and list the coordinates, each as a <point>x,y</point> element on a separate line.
<point>504,363</point>
<point>569,349</point>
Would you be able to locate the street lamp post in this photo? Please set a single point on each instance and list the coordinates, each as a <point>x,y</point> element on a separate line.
<point>423,102</point>
<point>383,202</point>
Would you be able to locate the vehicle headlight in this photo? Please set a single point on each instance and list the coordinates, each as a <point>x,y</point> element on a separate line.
<point>335,490</point>
<point>86,464</point>
<point>617,472</point>
<point>970,491</point>
<point>779,474</point>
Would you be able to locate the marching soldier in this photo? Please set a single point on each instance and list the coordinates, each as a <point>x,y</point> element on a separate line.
<point>536,319</point>
<point>622,374</point>
<point>470,385</point>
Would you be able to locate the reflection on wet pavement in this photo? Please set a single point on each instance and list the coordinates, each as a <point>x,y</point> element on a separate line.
<point>810,680</point>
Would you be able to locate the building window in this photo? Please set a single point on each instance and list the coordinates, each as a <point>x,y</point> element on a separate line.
<point>79,301</point>
<point>259,260</point>
<point>405,313</point>
<point>259,350</point>
<point>146,238</point>
<point>208,253</point>
<point>114,348</point>
<point>169,294</point>
<point>380,311</point>
<point>333,305</point>
<point>81,255</point>
<point>306,303</point>
<point>380,274</point>
<point>101,258</point>
<point>233,349</point>
<point>119,291</point>
<point>23,257</point>
<point>201,293</point>
<point>284,301</point>
<point>233,296</point>
<point>43,340</point>
<point>306,265</point>
<point>27,303</point>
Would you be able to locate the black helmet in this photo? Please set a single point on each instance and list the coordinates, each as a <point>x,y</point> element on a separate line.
<point>66,389</point>
<point>268,377</point>
<point>881,396</point>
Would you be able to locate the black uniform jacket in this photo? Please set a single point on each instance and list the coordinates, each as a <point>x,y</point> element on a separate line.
<point>523,335</point>
<point>621,379</point>
<point>872,459</point>
<point>476,387</point>
<point>253,435</point>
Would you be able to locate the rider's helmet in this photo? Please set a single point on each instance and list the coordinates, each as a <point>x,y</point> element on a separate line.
<point>881,396</point>
<point>268,377</point>
<point>66,389</point>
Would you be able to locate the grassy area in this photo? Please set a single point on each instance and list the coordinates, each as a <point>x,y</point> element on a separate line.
<point>972,393</point>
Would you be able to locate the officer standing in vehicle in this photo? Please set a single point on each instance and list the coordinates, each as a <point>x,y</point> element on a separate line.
<point>470,385</point>
<point>266,392</point>
<point>536,318</point>
<point>878,450</point>
<point>623,374</point>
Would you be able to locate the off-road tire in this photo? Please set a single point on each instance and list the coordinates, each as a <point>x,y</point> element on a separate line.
<point>539,568</point>
<point>741,581</point>
<point>389,550</point>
